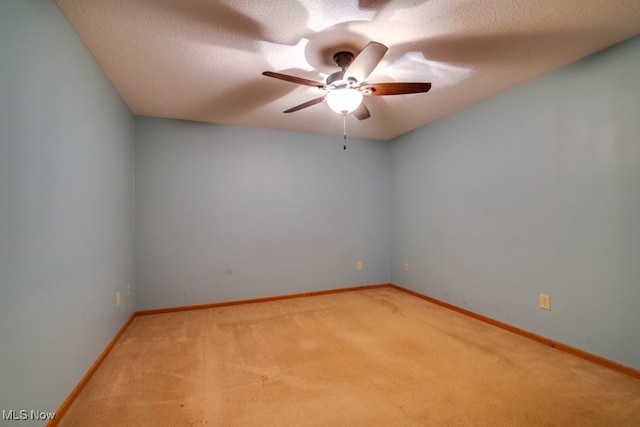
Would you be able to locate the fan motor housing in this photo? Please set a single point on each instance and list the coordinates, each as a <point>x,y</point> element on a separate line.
<point>337,77</point>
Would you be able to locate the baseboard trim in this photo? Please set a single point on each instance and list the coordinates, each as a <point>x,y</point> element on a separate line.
<point>83,382</point>
<point>92,370</point>
<point>555,344</point>
<point>627,370</point>
<point>257,300</point>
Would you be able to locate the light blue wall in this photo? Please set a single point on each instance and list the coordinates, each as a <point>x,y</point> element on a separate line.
<point>226,213</point>
<point>534,191</point>
<point>66,207</point>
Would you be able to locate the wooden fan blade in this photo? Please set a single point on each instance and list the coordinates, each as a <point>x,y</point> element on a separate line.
<point>366,61</point>
<point>305,105</point>
<point>362,112</point>
<point>395,88</point>
<point>294,79</point>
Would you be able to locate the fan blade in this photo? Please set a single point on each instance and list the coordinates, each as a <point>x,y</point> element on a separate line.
<point>366,61</point>
<point>399,88</point>
<point>294,79</point>
<point>305,105</point>
<point>362,112</point>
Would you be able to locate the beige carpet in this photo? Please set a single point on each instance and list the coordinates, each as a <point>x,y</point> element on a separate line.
<point>377,357</point>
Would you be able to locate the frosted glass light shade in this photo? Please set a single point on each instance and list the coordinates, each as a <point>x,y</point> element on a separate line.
<point>344,100</point>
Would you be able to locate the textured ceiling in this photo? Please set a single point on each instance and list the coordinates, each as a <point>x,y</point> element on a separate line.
<point>202,59</point>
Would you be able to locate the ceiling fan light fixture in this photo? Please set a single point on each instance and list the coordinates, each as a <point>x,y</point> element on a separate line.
<point>344,100</point>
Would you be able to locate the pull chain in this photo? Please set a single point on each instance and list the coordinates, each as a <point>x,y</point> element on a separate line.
<point>344,129</point>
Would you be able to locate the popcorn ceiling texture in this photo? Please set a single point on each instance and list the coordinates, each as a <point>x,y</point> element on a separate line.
<point>202,60</point>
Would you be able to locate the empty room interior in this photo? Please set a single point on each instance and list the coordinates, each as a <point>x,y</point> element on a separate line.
<point>177,247</point>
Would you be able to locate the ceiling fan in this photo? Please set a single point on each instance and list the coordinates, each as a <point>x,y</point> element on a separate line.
<point>346,88</point>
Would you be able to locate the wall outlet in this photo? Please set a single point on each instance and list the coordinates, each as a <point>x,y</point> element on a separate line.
<point>129,289</point>
<point>406,266</point>
<point>359,266</point>
<point>545,302</point>
<point>118,299</point>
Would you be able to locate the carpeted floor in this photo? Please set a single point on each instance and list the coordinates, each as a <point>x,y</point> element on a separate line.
<point>375,357</point>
